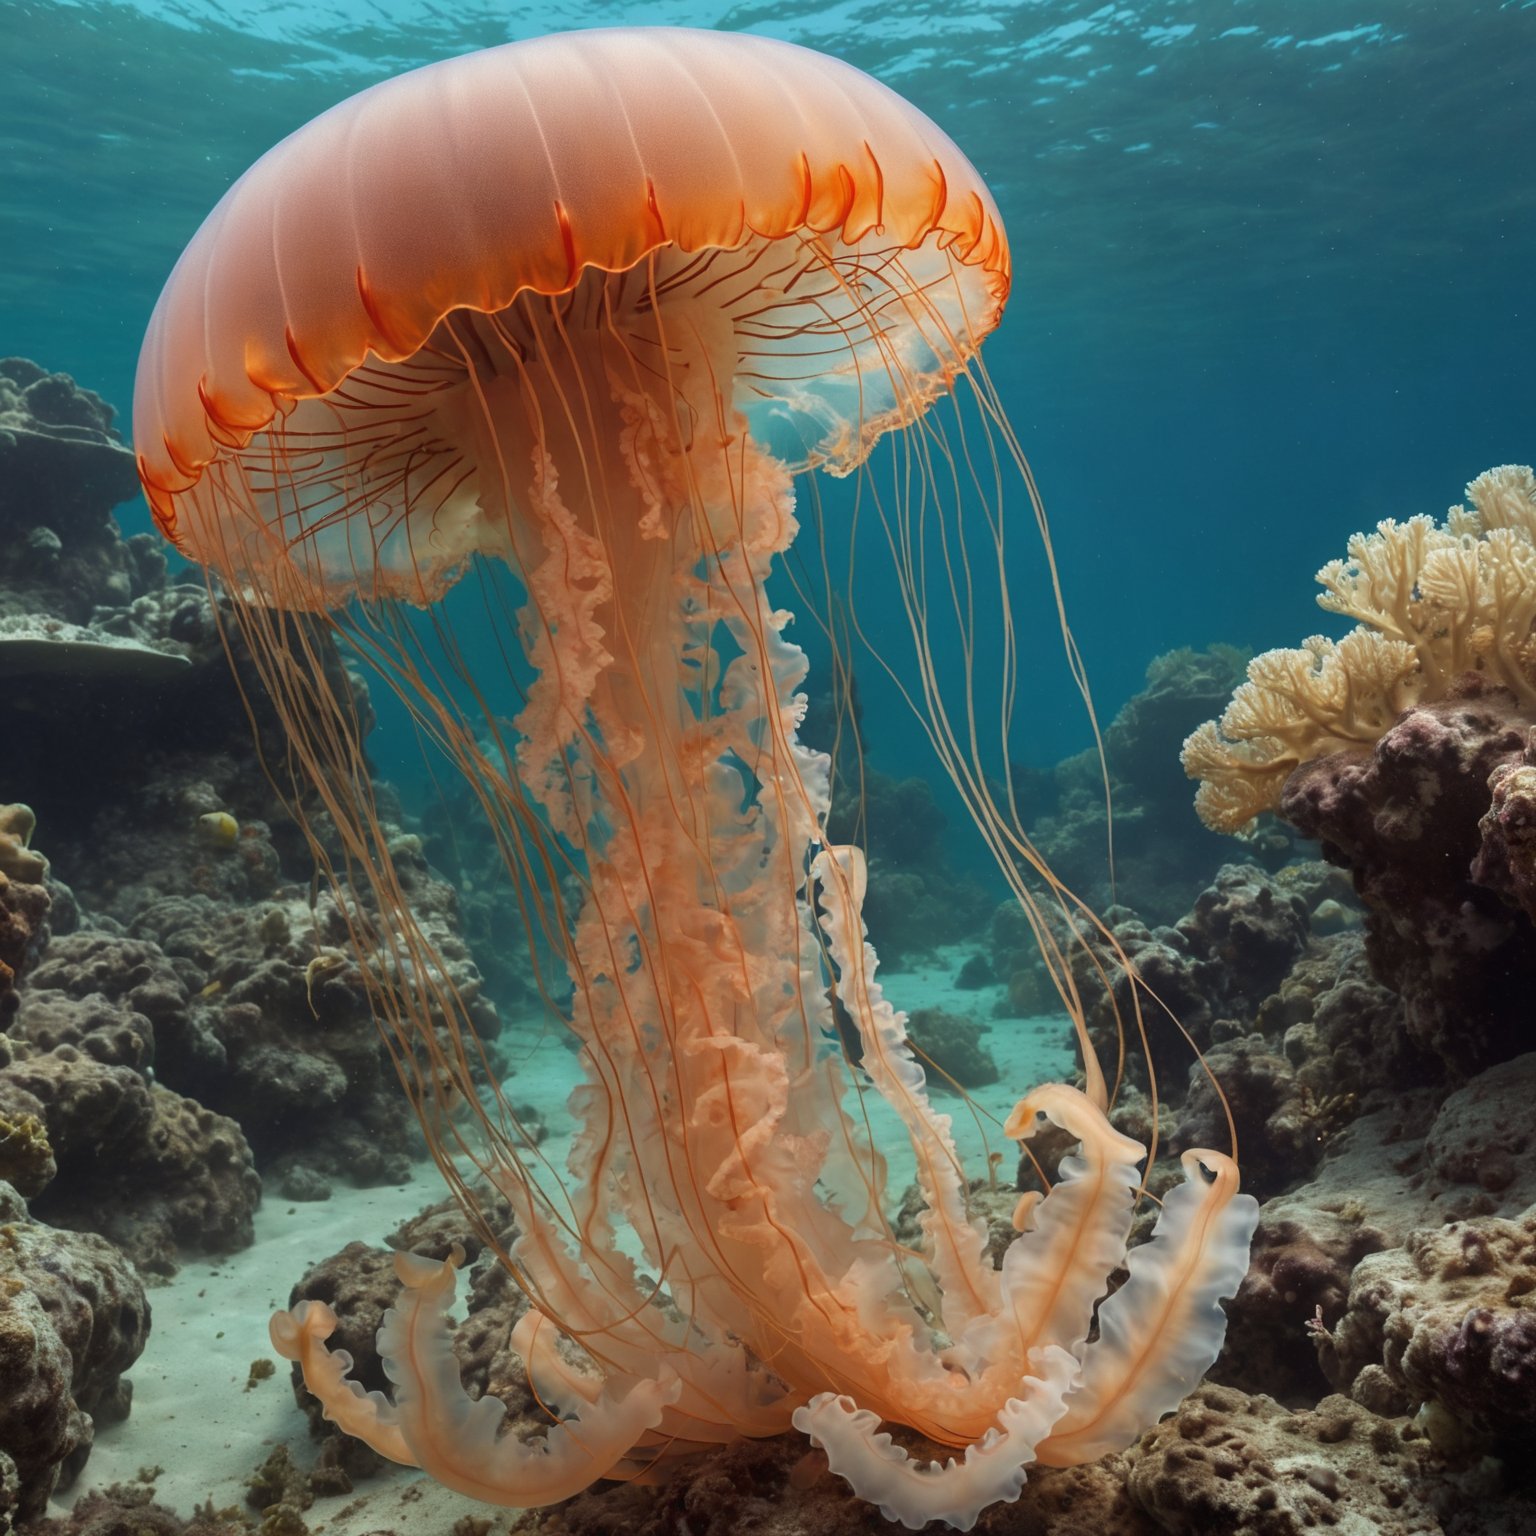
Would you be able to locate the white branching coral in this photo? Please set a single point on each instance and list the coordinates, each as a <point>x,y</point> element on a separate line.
<point>1433,601</point>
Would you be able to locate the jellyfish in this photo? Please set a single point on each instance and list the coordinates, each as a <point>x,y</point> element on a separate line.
<point>571,326</point>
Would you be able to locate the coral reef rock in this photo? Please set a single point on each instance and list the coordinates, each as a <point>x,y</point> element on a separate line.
<point>1409,1166</point>
<point>1411,818</point>
<point>1434,602</point>
<point>1447,1322</point>
<point>1163,856</point>
<point>1232,1463</point>
<point>73,1318</point>
<point>62,469</point>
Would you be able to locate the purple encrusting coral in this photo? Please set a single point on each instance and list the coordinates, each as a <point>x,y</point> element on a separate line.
<point>1433,823</point>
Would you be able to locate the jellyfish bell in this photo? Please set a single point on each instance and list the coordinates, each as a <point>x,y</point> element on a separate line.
<point>563,321</point>
<point>739,223</point>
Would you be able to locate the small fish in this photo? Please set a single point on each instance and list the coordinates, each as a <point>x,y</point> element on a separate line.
<point>218,829</point>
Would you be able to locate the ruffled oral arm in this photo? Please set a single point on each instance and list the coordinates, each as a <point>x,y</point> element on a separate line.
<point>458,1440</point>
<point>913,1493</point>
<point>300,1336</point>
<point>1161,1331</point>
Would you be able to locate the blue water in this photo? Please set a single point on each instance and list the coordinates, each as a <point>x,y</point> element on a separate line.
<point>1273,257</point>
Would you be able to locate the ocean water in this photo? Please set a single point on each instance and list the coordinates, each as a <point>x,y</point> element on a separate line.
<point>1272,257</point>
<point>1272,282</point>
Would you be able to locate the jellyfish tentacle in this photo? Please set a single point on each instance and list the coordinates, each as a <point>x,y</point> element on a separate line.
<point>299,1335</point>
<point>457,1439</point>
<point>955,1243</point>
<point>1055,1273</point>
<point>993,1468</point>
<point>1162,1330</point>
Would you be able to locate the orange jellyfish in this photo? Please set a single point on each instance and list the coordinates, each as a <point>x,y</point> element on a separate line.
<point>570,322</point>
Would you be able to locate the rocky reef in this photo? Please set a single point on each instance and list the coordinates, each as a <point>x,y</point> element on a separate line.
<point>1408,750</point>
<point>73,1319</point>
<point>1162,854</point>
<point>1434,822</point>
<point>184,1017</point>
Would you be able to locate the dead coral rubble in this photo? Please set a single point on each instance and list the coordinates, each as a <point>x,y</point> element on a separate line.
<point>1229,1462</point>
<point>129,1509</point>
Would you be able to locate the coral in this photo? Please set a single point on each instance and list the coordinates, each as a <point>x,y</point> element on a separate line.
<point>35,648</point>
<point>24,903</point>
<point>1447,1317</point>
<point>1217,963</point>
<point>156,1172</point>
<point>92,1109</point>
<point>1481,1149</point>
<point>40,1425</point>
<point>129,1510</point>
<point>240,996</point>
<point>1410,817</point>
<point>277,1026</point>
<point>19,862</point>
<point>62,469</point>
<point>26,1156</point>
<point>1506,857</point>
<point>952,1043</point>
<point>975,973</point>
<point>1247,929</point>
<point>73,1318</point>
<point>1433,601</point>
<point>278,1481</point>
<point>1307,1244</point>
<point>1162,855</point>
<point>1343,1032</point>
<point>189,1185</point>
<point>1279,1141</point>
<point>129,1157</point>
<point>1396,1169</point>
<point>1229,1462</point>
<point>94,1299</point>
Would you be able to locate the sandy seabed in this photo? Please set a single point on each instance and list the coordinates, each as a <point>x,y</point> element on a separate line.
<point>201,1418</point>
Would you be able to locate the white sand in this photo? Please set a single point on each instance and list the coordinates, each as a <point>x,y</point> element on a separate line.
<point>193,1414</point>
